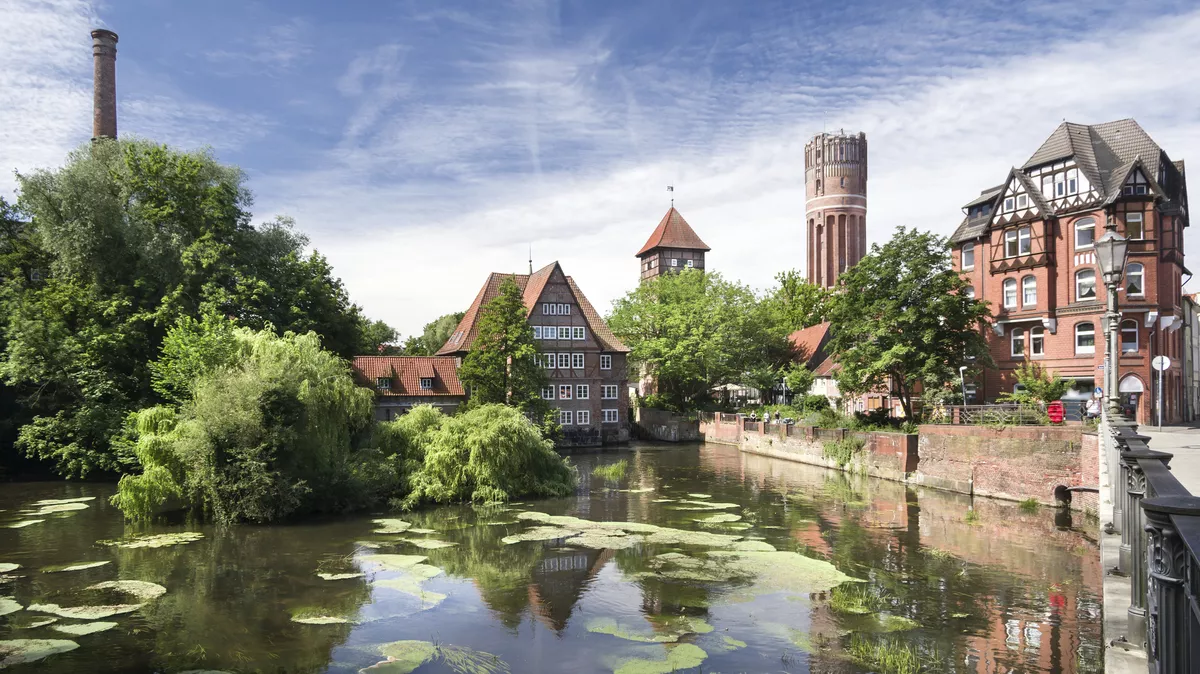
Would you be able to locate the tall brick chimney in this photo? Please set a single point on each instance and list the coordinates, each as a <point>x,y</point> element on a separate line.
<point>104,79</point>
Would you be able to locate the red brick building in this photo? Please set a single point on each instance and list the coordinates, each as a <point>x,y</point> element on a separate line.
<point>1026,247</point>
<point>673,245</point>
<point>835,206</point>
<point>586,362</point>
<point>401,382</point>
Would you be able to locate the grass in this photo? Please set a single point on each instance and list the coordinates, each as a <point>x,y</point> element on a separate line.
<point>613,472</point>
<point>884,656</point>
<point>854,598</point>
<point>972,517</point>
<point>1029,505</point>
<point>843,451</point>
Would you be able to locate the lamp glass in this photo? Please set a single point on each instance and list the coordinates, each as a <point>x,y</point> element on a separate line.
<point>1111,252</point>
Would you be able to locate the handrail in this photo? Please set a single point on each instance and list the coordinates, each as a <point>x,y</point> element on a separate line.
<point>1159,522</point>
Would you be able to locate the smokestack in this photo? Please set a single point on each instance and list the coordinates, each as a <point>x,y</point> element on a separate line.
<point>104,80</point>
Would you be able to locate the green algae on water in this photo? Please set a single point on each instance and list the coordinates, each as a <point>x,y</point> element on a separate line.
<point>428,543</point>
<point>59,508</point>
<point>19,651</point>
<point>29,622</point>
<point>21,525</point>
<point>84,612</point>
<point>612,627</point>
<point>61,501</point>
<point>540,534</point>
<point>753,546</point>
<point>80,629</point>
<point>340,576</point>
<point>732,644</point>
<point>603,541</point>
<point>322,620</point>
<point>391,526</point>
<point>719,518</point>
<point>141,589</point>
<point>393,562</point>
<point>700,495</point>
<point>8,605</point>
<point>155,540</point>
<point>679,657</point>
<point>422,531</point>
<point>404,657</point>
<point>61,568</point>
<point>6,567</point>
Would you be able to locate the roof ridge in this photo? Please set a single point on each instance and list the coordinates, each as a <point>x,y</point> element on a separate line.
<point>673,231</point>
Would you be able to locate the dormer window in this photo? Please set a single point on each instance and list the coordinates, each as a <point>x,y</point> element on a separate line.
<point>383,383</point>
<point>427,383</point>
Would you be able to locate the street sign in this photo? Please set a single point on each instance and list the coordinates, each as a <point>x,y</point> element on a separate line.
<point>1160,363</point>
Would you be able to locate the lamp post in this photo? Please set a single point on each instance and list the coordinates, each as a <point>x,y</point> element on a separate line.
<point>962,379</point>
<point>1111,252</point>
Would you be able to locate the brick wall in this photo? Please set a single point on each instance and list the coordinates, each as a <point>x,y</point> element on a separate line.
<point>662,425</point>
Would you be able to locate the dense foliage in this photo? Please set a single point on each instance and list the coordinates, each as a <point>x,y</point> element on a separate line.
<point>695,331</point>
<point>902,320</point>
<point>1037,385</point>
<point>106,254</point>
<point>795,303</point>
<point>434,335</point>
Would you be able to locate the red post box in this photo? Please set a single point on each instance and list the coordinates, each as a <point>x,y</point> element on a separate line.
<point>1055,411</point>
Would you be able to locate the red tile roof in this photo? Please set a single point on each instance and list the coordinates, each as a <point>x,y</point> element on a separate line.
<point>808,342</point>
<point>531,287</point>
<point>406,373</point>
<point>673,232</point>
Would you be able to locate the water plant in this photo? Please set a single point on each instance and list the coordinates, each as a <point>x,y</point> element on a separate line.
<point>885,656</point>
<point>855,599</point>
<point>613,472</point>
<point>18,651</point>
<point>972,517</point>
<point>679,657</point>
<point>843,451</point>
<point>1029,505</point>
<point>403,657</point>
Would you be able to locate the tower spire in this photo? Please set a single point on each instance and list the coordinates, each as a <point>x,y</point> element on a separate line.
<point>531,259</point>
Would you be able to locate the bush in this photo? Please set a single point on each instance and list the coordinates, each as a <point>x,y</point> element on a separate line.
<point>815,403</point>
<point>843,451</point>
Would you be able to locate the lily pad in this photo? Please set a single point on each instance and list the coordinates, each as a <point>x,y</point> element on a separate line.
<point>422,531</point>
<point>429,543</point>
<point>141,589</point>
<point>714,505</point>
<point>753,546</point>
<point>614,628</point>
<point>60,508</point>
<point>5,567</point>
<point>663,500</point>
<point>21,525</point>
<point>8,605</point>
<point>595,541</point>
<point>29,622</point>
<point>733,644</point>
<point>322,620</point>
<point>391,526</point>
<point>84,612</point>
<point>682,656</point>
<point>402,657</point>
<point>80,629</point>
<point>540,534</point>
<point>62,501</point>
<point>700,495</point>
<point>782,571</point>
<point>719,518</point>
<point>60,568</point>
<point>698,538</point>
<point>156,540</point>
<point>393,562</point>
<point>340,576</point>
<point>18,651</point>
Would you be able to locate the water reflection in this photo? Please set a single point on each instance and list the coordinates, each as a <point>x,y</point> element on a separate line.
<point>1015,591</point>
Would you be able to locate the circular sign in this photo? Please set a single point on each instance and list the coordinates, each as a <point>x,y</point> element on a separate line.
<point>1160,363</point>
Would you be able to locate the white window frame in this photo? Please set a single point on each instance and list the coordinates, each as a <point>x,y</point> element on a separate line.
<point>423,386</point>
<point>609,392</point>
<point>1072,181</point>
<point>383,383</point>
<point>548,361</point>
<point>547,393</point>
<point>564,361</point>
<point>1016,345</point>
<point>583,418</point>
<point>1011,249</point>
<point>1037,341</point>
<point>1079,275</point>
<point>566,418</point>
<point>1010,204</point>
<point>1141,220</point>
<point>583,392</point>
<point>545,308</point>
<point>1010,293</point>
<point>605,362</point>
<point>1135,269</point>
<point>1081,225</point>
<point>1029,291</point>
<point>1024,241</point>
<point>1060,185</point>
<point>564,310</point>
<point>564,332</point>
<point>1022,201</point>
<point>577,361</point>
<point>610,416</point>
<point>968,253</point>
<point>537,332</point>
<point>578,333</point>
<point>689,263</point>
<point>1136,344</point>
<point>565,391</point>
<point>1081,350</point>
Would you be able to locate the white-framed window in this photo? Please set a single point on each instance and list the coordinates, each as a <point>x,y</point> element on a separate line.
<point>1134,229</point>
<point>1135,280</point>
<point>545,309</point>
<point>577,333</point>
<point>1022,201</point>
<point>608,391</point>
<point>548,361</point>
<point>605,362</point>
<point>577,361</point>
<point>1129,336</point>
<point>564,391</point>
<point>969,292</point>
<point>564,332</point>
<point>1009,204</point>
<point>1010,293</point>
<point>1085,233</point>
<point>1018,343</point>
<point>1018,242</point>
<point>689,263</point>
<point>583,418</point>
<point>1060,184</point>
<point>968,256</point>
<point>1085,338</point>
<point>1037,341</point>
<point>564,361</point>
<point>564,310</point>
<point>582,391</point>
<point>383,383</point>
<point>566,418</point>
<point>1085,284</point>
<point>547,393</point>
<point>674,262</point>
<point>1048,186</point>
<point>427,383</point>
<point>1028,291</point>
<point>609,416</point>
<point>1072,181</point>
<point>537,332</point>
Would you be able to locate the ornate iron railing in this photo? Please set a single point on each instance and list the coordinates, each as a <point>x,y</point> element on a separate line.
<point>1159,522</point>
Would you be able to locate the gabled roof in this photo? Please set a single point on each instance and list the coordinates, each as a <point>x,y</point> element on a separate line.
<point>810,343</point>
<point>531,286</point>
<point>406,373</point>
<point>673,232</point>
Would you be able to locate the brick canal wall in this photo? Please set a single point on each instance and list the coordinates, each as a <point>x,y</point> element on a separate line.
<point>661,425</point>
<point>1013,463</point>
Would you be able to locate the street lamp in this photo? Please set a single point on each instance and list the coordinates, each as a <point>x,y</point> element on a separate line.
<point>1111,252</point>
<point>962,379</point>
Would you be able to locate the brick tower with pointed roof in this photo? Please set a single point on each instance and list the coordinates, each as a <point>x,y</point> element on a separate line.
<point>672,246</point>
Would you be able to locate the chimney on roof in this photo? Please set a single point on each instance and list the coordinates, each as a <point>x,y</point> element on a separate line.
<point>104,82</point>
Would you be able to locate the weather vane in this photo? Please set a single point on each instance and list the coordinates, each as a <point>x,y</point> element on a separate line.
<point>671,189</point>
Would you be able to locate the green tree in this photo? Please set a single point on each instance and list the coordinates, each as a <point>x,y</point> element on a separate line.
<point>379,339</point>
<point>901,319</point>
<point>695,331</point>
<point>796,303</point>
<point>433,336</point>
<point>1037,385</point>
<point>503,365</point>
<point>799,379</point>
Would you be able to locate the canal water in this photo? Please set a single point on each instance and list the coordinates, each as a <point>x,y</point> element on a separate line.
<point>752,565</point>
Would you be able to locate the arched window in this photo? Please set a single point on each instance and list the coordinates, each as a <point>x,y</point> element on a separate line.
<point>1135,277</point>
<point>1028,291</point>
<point>1037,341</point>
<point>1085,338</point>
<point>1129,336</point>
<point>1085,233</point>
<point>1010,293</point>
<point>1018,343</point>
<point>1085,285</point>
<point>969,291</point>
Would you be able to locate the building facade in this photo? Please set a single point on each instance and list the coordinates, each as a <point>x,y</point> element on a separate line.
<point>1026,247</point>
<point>586,363</point>
<point>1191,357</point>
<point>835,206</point>
<point>673,245</point>
<point>403,382</point>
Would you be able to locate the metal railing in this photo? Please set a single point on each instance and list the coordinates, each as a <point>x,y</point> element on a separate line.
<point>1159,523</point>
<point>988,415</point>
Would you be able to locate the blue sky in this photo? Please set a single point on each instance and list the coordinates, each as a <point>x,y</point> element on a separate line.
<point>424,144</point>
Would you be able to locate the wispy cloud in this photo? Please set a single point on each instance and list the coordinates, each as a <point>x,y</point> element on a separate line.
<point>278,48</point>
